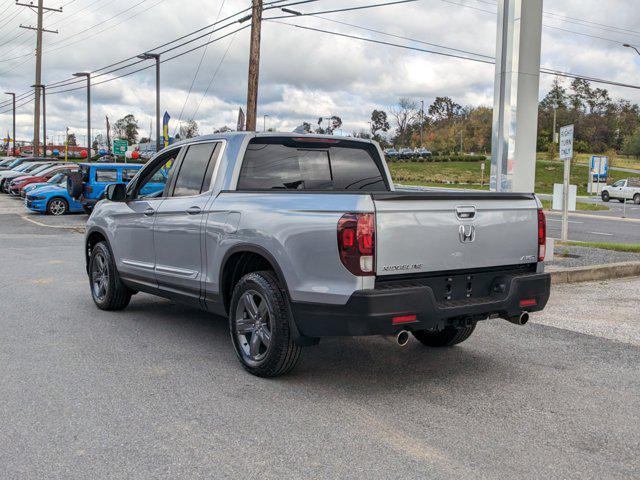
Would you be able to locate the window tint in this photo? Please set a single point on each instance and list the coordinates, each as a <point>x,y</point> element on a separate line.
<point>128,174</point>
<point>287,164</point>
<point>191,178</point>
<point>106,175</point>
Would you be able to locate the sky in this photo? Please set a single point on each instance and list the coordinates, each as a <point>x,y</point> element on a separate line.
<point>304,74</point>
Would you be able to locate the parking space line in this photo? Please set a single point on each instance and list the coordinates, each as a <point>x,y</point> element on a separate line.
<point>63,227</point>
<point>601,233</point>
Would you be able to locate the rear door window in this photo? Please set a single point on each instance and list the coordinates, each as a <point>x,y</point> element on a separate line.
<point>192,178</point>
<point>128,174</point>
<point>106,175</point>
<point>292,164</point>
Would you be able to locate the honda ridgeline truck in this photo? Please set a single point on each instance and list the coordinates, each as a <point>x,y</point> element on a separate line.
<point>298,237</point>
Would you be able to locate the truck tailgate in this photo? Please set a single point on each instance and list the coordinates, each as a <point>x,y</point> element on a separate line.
<point>435,231</point>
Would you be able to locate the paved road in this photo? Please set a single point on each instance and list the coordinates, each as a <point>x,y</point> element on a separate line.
<point>155,391</point>
<point>590,228</point>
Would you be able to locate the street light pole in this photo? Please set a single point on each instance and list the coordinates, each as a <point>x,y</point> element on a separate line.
<point>88,75</point>
<point>13,96</point>
<point>631,46</point>
<point>156,57</point>
<point>264,122</point>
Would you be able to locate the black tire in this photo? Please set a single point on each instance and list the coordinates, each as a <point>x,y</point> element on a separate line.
<point>74,184</point>
<point>271,320</point>
<point>605,196</point>
<point>636,199</point>
<point>444,338</point>
<point>110,293</point>
<point>57,206</point>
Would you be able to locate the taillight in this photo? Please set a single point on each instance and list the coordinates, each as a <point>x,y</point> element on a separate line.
<point>357,242</point>
<point>542,236</point>
<point>88,188</point>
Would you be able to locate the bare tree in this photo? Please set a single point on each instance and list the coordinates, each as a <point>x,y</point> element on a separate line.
<point>405,113</point>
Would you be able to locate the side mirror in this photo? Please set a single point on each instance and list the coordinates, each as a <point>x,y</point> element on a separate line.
<point>116,192</point>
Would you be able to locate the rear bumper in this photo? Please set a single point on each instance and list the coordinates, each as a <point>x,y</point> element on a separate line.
<point>371,312</point>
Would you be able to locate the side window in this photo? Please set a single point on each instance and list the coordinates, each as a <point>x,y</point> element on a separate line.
<point>129,173</point>
<point>154,178</point>
<point>104,175</point>
<point>192,177</point>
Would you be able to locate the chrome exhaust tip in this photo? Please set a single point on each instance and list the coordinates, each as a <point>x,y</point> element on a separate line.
<point>522,319</point>
<point>402,338</point>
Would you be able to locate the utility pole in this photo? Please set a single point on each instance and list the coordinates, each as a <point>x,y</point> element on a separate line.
<point>13,96</point>
<point>254,66</point>
<point>88,75</point>
<point>156,57</point>
<point>44,117</point>
<point>40,9</point>
<point>421,123</point>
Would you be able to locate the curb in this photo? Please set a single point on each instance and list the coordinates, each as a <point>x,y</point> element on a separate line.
<point>595,272</point>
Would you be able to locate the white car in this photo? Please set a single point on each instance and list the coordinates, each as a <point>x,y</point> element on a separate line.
<point>627,189</point>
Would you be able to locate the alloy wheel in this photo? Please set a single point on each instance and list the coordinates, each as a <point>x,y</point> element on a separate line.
<point>253,326</point>
<point>57,207</point>
<point>99,277</point>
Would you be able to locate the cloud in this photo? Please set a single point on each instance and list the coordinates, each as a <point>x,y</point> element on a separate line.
<point>304,74</point>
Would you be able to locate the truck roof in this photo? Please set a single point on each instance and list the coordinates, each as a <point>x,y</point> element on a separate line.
<point>229,135</point>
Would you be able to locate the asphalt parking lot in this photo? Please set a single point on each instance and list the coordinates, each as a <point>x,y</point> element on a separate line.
<point>155,391</point>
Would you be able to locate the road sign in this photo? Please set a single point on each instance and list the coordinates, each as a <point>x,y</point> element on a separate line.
<point>566,142</point>
<point>120,147</point>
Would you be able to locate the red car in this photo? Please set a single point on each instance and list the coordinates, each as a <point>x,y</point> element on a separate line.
<point>17,184</point>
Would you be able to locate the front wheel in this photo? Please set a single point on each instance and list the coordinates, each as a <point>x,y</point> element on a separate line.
<point>444,338</point>
<point>605,196</point>
<point>57,206</point>
<point>107,290</point>
<point>259,323</point>
<point>636,199</point>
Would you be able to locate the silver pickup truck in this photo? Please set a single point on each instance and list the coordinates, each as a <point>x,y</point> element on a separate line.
<point>298,237</point>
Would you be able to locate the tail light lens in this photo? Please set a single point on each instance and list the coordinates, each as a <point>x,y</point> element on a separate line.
<point>357,243</point>
<point>542,236</point>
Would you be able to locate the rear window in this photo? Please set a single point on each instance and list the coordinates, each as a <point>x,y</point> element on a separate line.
<point>289,164</point>
<point>128,174</point>
<point>104,175</point>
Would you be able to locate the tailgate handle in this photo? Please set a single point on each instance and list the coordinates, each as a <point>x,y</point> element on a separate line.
<point>465,212</point>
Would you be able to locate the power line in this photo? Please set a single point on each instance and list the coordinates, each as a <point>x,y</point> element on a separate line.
<point>544,70</point>
<point>195,75</point>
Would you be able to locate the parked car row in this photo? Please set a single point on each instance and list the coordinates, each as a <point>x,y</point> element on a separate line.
<point>57,188</point>
<point>407,153</point>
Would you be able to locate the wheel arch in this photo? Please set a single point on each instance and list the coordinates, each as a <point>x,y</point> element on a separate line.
<point>93,237</point>
<point>240,260</point>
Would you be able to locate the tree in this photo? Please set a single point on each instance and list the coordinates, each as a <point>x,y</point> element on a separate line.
<point>444,109</point>
<point>189,130</point>
<point>127,129</point>
<point>379,123</point>
<point>71,140</point>
<point>223,129</point>
<point>632,144</point>
<point>405,114</point>
<point>556,98</point>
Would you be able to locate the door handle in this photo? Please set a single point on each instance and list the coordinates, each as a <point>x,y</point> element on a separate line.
<point>194,210</point>
<point>149,212</point>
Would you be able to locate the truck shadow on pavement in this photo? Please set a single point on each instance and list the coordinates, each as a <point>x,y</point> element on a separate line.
<point>376,362</point>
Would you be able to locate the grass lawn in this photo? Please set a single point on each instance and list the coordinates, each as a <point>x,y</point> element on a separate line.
<point>618,247</point>
<point>585,159</point>
<point>580,206</point>
<point>467,174</point>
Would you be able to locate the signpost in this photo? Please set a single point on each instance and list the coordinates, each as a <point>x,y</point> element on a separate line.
<point>566,154</point>
<point>598,171</point>
<point>120,147</point>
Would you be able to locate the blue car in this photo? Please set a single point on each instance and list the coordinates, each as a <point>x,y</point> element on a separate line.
<point>88,185</point>
<point>52,199</point>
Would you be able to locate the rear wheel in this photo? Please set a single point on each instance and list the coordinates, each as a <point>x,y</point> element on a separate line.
<point>605,196</point>
<point>259,323</point>
<point>57,206</point>
<point>107,290</point>
<point>636,199</point>
<point>444,338</point>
